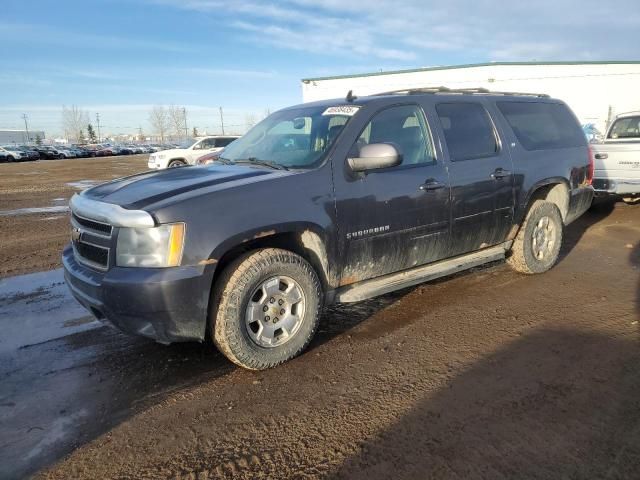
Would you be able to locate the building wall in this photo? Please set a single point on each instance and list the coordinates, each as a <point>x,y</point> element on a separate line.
<point>592,90</point>
<point>19,136</point>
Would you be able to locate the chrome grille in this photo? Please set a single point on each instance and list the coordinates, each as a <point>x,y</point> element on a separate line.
<point>92,242</point>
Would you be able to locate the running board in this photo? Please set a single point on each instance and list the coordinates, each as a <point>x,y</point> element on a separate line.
<point>408,278</point>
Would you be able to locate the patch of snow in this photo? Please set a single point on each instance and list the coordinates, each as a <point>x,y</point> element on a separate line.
<point>83,184</point>
<point>56,432</point>
<point>38,307</point>
<point>32,210</point>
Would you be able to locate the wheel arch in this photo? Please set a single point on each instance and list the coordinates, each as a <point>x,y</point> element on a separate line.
<point>554,190</point>
<point>306,240</point>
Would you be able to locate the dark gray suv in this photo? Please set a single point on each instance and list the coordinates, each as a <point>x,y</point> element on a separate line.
<point>333,201</point>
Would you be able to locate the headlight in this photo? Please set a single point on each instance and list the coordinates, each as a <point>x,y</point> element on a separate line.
<point>151,247</point>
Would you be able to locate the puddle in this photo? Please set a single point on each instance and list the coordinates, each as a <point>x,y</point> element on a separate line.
<point>29,211</point>
<point>83,184</point>
<point>38,307</point>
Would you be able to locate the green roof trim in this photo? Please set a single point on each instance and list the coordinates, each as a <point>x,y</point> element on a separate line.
<point>471,65</point>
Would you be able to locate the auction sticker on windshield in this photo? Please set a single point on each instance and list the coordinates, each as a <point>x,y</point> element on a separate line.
<point>349,110</point>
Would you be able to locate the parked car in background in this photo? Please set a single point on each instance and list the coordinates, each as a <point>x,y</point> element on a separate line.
<point>209,158</point>
<point>29,152</point>
<point>12,153</point>
<point>592,133</point>
<point>66,152</point>
<point>189,152</point>
<point>617,159</point>
<point>47,152</point>
<point>331,201</point>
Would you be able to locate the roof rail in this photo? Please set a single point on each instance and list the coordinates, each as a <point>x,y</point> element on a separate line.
<point>462,91</point>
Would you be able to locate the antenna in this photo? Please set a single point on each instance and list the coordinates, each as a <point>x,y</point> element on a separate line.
<point>350,96</point>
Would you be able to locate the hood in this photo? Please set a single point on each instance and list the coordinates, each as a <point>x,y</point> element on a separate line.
<point>144,189</point>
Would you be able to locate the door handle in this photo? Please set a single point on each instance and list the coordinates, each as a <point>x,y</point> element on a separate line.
<point>601,156</point>
<point>500,173</point>
<point>431,185</point>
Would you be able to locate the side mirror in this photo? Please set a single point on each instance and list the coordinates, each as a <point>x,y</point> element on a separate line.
<point>375,156</point>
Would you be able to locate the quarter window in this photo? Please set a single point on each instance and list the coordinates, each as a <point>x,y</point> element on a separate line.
<point>542,126</point>
<point>406,128</point>
<point>468,130</point>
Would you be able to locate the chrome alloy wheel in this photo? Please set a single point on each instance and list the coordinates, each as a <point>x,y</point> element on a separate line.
<point>275,311</point>
<point>543,238</point>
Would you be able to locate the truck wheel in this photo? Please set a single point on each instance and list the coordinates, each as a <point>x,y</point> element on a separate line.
<point>265,308</point>
<point>631,200</point>
<point>537,245</point>
<point>10,158</point>
<point>176,163</point>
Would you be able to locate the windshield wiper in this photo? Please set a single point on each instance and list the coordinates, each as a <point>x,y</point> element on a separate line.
<point>224,161</point>
<point>264,163</point>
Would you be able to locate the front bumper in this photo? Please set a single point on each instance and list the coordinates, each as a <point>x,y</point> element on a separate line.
<point>168,305</point>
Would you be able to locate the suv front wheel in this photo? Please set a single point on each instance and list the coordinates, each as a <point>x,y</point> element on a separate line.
<point>537,246</point>
<point>266,308</point>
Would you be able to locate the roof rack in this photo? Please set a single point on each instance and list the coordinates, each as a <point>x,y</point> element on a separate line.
<point>462,91</point>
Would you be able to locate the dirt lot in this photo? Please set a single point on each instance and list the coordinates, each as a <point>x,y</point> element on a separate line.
<point>489,374</point>
<point>31,242</point>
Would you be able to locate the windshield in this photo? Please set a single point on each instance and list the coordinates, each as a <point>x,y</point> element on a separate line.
<point>187,143</point>
<point>295,138</point>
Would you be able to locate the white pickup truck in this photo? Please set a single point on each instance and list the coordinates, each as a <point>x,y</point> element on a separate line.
<point>617,159</point>
<point>188,153</point>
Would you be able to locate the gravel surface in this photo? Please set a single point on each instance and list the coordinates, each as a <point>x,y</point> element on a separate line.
<point>34,226</point>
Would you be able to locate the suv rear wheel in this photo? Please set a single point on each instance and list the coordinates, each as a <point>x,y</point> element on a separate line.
<point>537,245</point>
<point>266,308</point>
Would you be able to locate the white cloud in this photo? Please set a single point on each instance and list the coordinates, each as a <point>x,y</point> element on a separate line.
<point>416,29</point>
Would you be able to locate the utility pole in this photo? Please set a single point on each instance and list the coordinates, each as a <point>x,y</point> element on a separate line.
<point>140,135</point>
<point>222,120</point>
<point>184,117</point>
<point>98,125</point>
<point>26,127</point>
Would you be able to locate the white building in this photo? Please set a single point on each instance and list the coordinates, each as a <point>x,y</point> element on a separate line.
<point>594,90</point>
<point>19,136</point>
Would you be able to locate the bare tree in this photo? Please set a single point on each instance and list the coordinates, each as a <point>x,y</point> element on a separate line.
<point>178,120</point>
<point>249,120</point>
<point>159,120</point>
<point>73,121</point>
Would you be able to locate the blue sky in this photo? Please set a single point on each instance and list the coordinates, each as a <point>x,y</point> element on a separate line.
<point>121,57</point>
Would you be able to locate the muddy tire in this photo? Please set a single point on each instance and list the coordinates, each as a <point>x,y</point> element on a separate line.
<point>176,163</point>
<point>265,308</point>
<point>537,245</point>
<point>631,200</point>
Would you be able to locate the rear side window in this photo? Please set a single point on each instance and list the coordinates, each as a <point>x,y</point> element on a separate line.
<point>542,126</point>
<point>468,130</point>
<point>628,127</point>
<point>223,142</point>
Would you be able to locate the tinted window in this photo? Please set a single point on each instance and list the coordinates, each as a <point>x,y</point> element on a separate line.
<point>542,126</point>
<point>223,142</point>
<point>468,130</point>
<point>626,128</point>
<point>406,128</point>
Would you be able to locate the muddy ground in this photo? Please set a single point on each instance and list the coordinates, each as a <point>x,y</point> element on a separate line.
<point>489,374</point>
<point>31,240</point>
